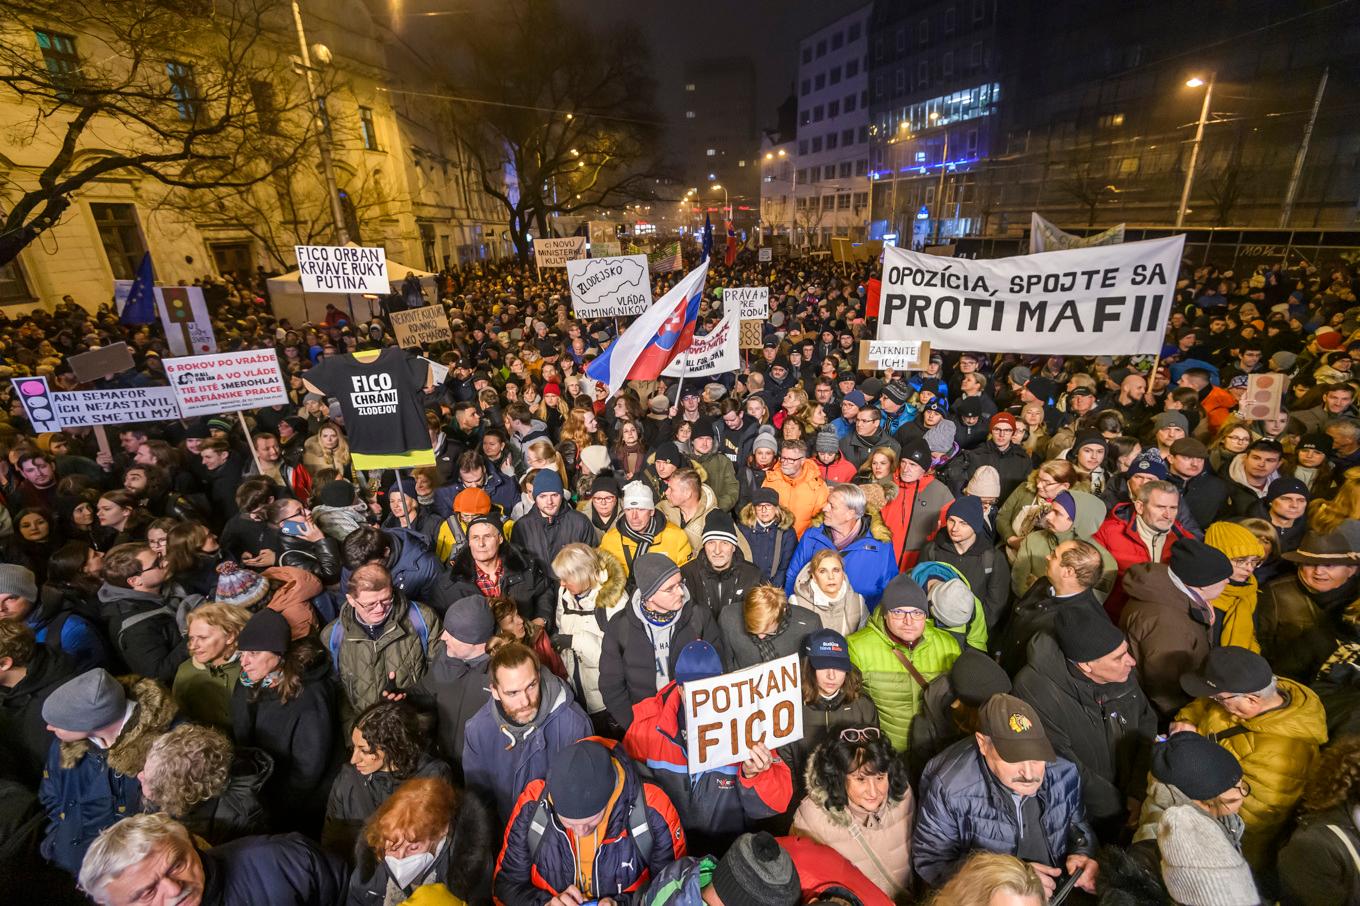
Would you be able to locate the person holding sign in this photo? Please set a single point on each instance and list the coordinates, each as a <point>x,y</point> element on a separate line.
<point>714,806</point>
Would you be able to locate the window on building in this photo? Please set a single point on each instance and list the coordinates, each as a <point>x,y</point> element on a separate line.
<point>975,56</point>
<point>689,114</point>
<point>834,77</point>
<point>806,87</point>
<point>121,237</point>
<point>949,20</point>
<point>901,38</point>
<point>832,140</point>
<point>828,202</point>
<point>803,175</point>
<point>820,81</point>
<point>979,10</point>
<point>183,89</point>
<point>58,52</point>
<point>829,171</point>
<point>971,141</point>
<point>923,33</point>
<point>878,49</point>
<point>843,201</point>
<point>947,65</point>
<point>266,110</point>
<point>805,117</point>
<point>817,113</point>
<point>922,74</point>
<point>13,285</point>
<point>807,54</point>
<point>689,86</point>
<point>832,108</point>
<point>802,146</point>
<point>821,49</point>
<point>1111,121</point>
<point>843,170</point>
<point>853,32</point>
<point>930,195</point>
<point>863,134</point>
<point>427,245</point>
<point>368,129</point>
<point>920,157</point>
<point>816,144</point>
<point>847,137</point>
<point>900,81</point>
<point>861,167</point>
<point>849,103</point>
<point>861,200</point>
<point>741,163</point>
<point>837,41</point>
<point>1128,166</point>
<point>864,98</point>
<point>878,86</point>
<point>712,152</point>
<point>852,68</point>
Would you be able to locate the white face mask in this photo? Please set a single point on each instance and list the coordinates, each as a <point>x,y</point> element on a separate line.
<point>409,869</point>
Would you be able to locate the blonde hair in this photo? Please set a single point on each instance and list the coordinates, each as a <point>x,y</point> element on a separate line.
<point>577,563</point>
<point>764,604</point>
<point>987,873</point>
<point>186,766</point>
<point>826,553</point>
<point>231,620</point>
<point>1327,515</point>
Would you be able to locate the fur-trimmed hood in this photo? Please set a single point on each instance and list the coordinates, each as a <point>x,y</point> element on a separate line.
<point>748,516</point>
<point>154,713</point>
<point>816,793</point>
<point>613,586</point>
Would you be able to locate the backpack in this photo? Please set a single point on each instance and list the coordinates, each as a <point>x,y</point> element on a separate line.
<point>638,828</point>
<point>412,613</point>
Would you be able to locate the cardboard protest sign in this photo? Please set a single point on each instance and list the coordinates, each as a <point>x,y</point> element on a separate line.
<point>600,231</point>
<point>39,403</point>
<point>1264,396</point>
<point>86,408</point>
<point>342,269</point>
<point>227,381</point>
<point>752,335</point>
<point>899,355</point>
<point>609,287</point>
<point>114,358</point>
<point>1108,300</point>
<point>421,326</point>
<point>726,715</point>
<point>558,251</point>
<point>184,315</point>
<point>606,249</point>
<point>714,353</point>
<point>1045,237</point>
<point>751,302</point>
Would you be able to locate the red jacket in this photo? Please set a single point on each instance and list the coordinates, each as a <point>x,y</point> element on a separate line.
<point>820,867</point>
<point>718,802</point>
<point>842,471</point>
<point>1118,535</point>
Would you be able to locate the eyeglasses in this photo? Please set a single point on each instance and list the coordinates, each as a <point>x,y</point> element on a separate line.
<point>792,460</point>
<point>911,615</point>
<point>158,563</point>
<point>1251,562</point>
<point>872,419</point>
<point>858,735</point>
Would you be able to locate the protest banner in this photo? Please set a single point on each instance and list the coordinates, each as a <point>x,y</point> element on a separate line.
<point>714,353</point>
<point>1045,237</point>
<point>727,715</point>
<point>87,408</point>
<point>609,287</point>
<point>1107,300</point>
<point>1264,396</point>
<point>421,326</point>
<point>121,290</point>
<point>899,355</point>
<point>557,252</point>
<point>606,249</point>
<point>752,335</point>
<point>752,303</point>
<point>114,358</point>
<point>227,382</point>
<point>765,254</point>
<point>342,269</point>
<point>184,315</point>
<point>438,372</point>
<point>600,231</point>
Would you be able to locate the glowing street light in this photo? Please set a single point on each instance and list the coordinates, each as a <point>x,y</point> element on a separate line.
<point>1195,82</point>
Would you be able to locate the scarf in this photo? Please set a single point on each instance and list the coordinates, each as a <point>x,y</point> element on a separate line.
<point>765,646</point>
<point>631,458</point>
<point>270,681</point>
<point>643,540</point>
<point>658,618</point>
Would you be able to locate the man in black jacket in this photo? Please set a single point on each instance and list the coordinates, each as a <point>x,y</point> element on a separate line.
<point>1074,567</point>
<point>642,641</point>
<point>139,618</point>
<point>28,674</point>
<point>552,524</point>
<point>1081,681</point>
<point>489,565</point>
<point>718,576</point>
<point>1204,492</point>
<point>458,682</point>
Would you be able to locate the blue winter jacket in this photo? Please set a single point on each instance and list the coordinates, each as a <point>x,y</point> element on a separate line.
<point>416,570</point>
<point>869,563</point>
<point>963,808</point>
<point>500,759</point>
<point>502,490</point>
<point>771,546</point>
<point>80,641</point>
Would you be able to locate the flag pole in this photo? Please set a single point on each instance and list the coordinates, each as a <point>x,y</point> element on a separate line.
<point>678,384</point>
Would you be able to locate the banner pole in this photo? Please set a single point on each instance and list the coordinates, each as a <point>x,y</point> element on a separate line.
<point>678,384</point>
<point>240,413</point>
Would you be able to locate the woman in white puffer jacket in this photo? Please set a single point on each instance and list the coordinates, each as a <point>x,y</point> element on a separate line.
<point>591,591</point>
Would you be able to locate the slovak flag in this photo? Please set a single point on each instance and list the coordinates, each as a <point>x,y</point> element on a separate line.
<point>659,334</point>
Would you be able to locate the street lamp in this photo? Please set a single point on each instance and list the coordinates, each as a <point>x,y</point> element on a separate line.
<point>726,203</point>
<point>939,190</point>
<point>323,137</point>
<point>1195,82</point>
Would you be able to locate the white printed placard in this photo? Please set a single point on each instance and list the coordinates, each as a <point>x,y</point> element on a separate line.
<point>184,315</point>
<point>556,252</point>
<point>227,381</point>
<point>716,352</point>
<point>609,287</point>
<point>86,408</point>
<point>1105,300</point>
<point>899,355</point>
<point>342,269</point>
<point>766,253</point>
<point>752,302</point>
<point>726,716</point>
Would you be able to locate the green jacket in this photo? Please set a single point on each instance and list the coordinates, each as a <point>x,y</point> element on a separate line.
<point>203,694</point>
<point>363,664</point>
<point>895,693</point>
<point>722,478</point>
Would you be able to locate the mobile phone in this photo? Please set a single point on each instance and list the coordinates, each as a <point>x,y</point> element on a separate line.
<point>293,528</point>
<point>1063,889</point>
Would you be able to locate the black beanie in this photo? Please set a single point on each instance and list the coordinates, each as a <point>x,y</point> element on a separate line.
<point>337,493</point>
<point>266,630</point>
<point>1198,767</point>
<point>1084,635</point>
<point>1199,565</point>
<point>756,871</point>
<point>918,451</point>
<point>976,677</point>
<point>581,780</point>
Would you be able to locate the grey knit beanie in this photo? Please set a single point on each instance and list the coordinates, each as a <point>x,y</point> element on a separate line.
<point>85,703</point>
<point>1200,865</point>
<point>756,871</point>
<point>18,581</point>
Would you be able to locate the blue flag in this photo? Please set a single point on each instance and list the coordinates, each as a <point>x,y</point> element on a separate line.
<point>708,238</point>
<point>140,307</point>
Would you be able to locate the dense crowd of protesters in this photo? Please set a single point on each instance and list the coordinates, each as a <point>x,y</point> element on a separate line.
<point>1065,624</point>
